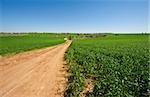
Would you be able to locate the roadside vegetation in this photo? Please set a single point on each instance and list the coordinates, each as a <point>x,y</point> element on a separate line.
<point>15,43</point>
<point>117,65</point>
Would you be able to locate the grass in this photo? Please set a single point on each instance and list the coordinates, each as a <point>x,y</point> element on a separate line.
<point>15,43</point>
<point>117,64</point>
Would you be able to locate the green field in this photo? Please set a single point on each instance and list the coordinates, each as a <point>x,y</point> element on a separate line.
<point>118,66</point>
<point>15,43</point>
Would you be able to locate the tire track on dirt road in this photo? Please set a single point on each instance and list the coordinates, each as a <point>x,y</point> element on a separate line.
<point>35,73</point>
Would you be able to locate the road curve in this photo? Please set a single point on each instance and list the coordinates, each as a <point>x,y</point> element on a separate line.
<point>37,73</point>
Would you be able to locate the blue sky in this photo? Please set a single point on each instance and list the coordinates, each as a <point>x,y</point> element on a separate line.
<point>74,15</point>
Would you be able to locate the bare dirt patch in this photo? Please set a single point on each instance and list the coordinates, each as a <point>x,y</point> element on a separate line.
<point>38,73</point>
<point>87,88</point>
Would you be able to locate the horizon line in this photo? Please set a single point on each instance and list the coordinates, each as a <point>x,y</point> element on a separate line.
<point>76,32</point>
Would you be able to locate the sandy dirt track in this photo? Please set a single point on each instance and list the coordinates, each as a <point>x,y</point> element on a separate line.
<point>37,73</point>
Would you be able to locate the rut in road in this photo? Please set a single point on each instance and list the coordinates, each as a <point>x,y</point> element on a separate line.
<point>38,73</point>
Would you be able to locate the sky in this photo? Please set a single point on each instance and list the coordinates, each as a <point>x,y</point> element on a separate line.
<point>87,16</point>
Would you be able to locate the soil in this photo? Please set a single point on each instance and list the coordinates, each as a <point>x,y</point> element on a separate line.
<point>37,73</point>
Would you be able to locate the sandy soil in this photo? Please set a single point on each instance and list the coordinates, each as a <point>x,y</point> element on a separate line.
<point>38,73</point>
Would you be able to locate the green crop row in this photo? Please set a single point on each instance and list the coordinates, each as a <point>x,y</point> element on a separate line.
<point>15,43</point>
<point>117,65</point>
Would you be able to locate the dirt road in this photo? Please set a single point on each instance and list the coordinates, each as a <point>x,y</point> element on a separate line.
<point>38,73</point>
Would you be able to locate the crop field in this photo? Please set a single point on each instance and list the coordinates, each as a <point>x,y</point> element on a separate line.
<point>116,65</point>
<point>99,65</point>
<point>15,43</point>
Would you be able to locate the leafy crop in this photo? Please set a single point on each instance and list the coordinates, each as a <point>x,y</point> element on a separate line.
<point>119,66</point>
